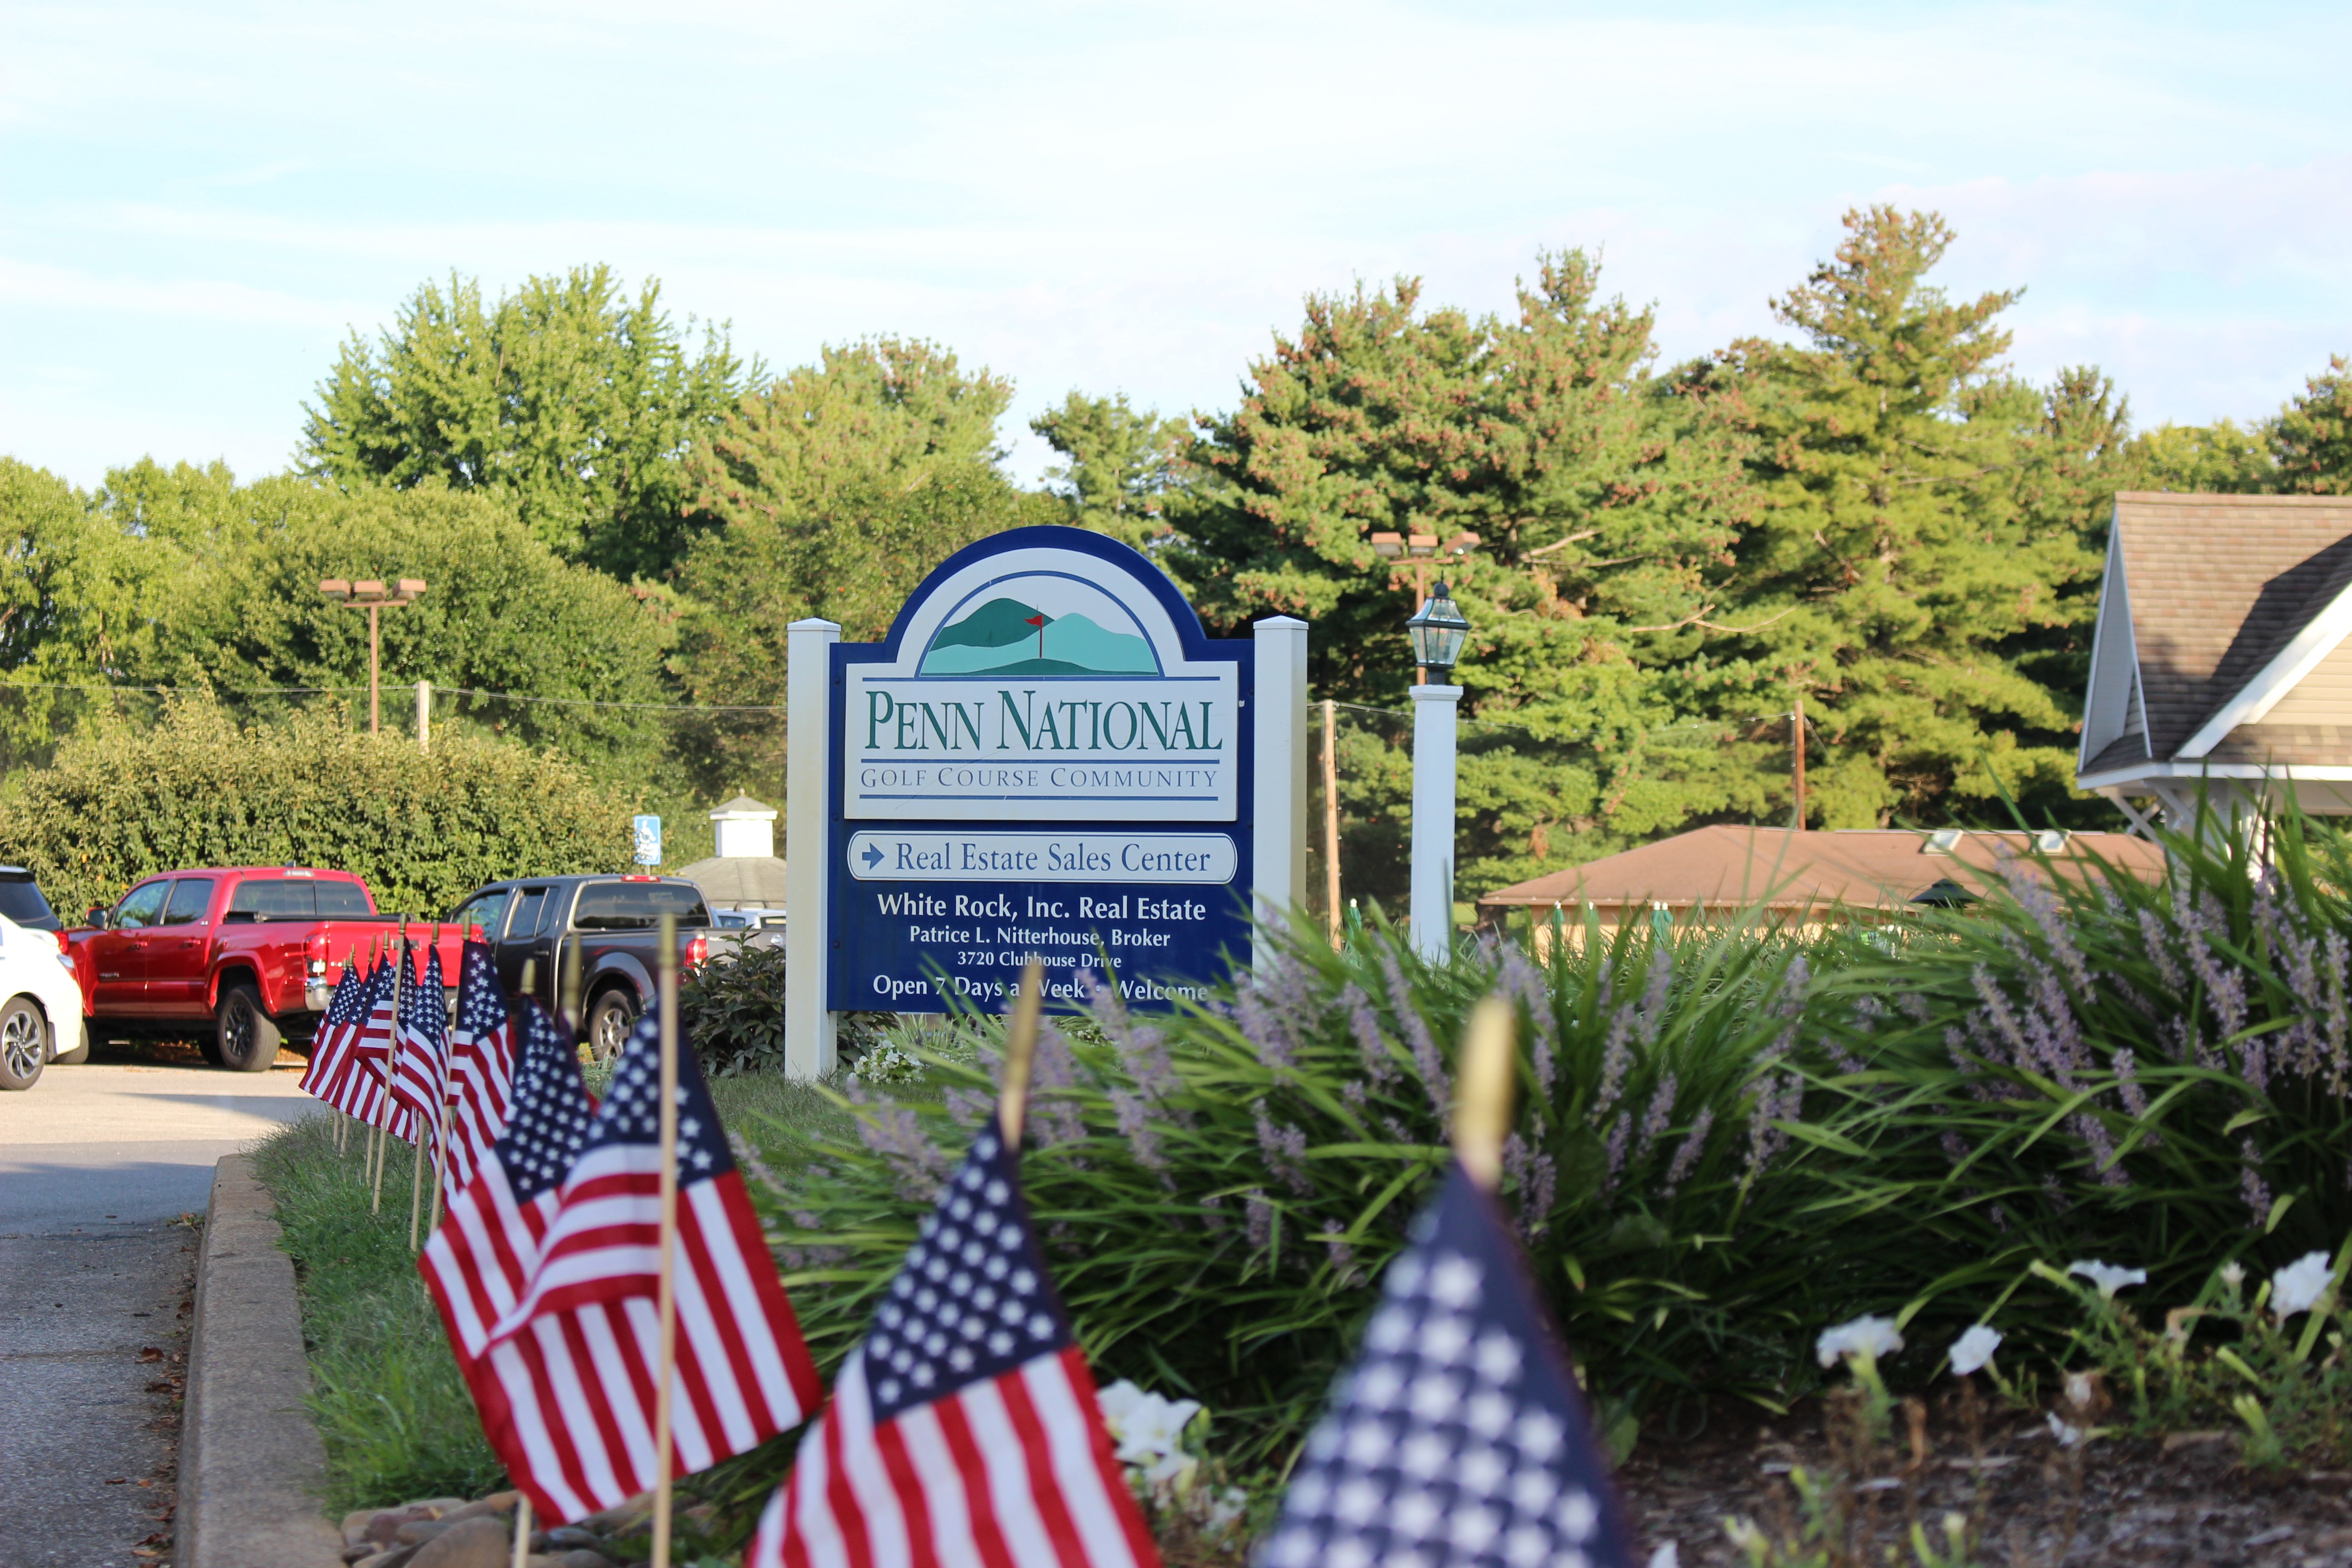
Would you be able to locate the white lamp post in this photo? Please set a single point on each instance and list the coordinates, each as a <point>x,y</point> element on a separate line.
<point>1437,630</point>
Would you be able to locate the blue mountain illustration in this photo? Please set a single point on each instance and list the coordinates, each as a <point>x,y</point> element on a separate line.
<point>1001,638</point>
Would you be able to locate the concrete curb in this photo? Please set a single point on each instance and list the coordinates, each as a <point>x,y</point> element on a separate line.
<point>251,1466</point>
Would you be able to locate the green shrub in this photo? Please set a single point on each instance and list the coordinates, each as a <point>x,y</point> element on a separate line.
<point>2154,1075</point>
<point>122,801</point>
<point>1218,1190</point>
<point>733,1010</point>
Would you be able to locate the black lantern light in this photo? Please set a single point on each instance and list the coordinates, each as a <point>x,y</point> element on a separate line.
<point>1438,628</point>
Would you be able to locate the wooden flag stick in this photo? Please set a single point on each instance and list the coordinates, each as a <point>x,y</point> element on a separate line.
<point>523,1528</point>
<point>447,1089</point>
<point>1020,1051</point>
<point>417,1165</point>
<point>1482,1093</point>
<point>665,1297</point>
<point>383,1112</point>
<point>416,1185</point>
<point>568,989</point>
<point>440,1170</point>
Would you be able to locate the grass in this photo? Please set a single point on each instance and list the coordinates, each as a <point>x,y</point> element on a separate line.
<point>393,1412</point>
<point>396,1419</point>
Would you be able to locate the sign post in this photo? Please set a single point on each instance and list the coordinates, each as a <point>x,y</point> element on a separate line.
<point>1045,756</point>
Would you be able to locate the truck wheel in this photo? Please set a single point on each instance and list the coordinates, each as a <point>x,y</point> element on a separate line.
<point>610,1018</point>
<point>24,1043</point>
<point>248,1041</point>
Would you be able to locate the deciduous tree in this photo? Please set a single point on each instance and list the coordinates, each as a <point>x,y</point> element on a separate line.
<point>572,401</point>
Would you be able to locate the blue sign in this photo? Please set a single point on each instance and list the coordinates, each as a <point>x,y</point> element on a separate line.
<point>648,832</point>
<point>1046,757</point>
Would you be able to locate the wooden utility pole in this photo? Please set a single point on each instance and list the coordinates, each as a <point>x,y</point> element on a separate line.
<point>1331,817</point>
<point>1797,735</point>
<point>373,596</point>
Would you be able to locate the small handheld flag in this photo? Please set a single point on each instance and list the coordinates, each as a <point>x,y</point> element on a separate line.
<point>478,1260</point>
<point>328,1041</point>
<point>584,1337</point>
<point>1459,1436</point>
<point>964,1427</point>
<point>420,1068</point>
<point>482,1065</point>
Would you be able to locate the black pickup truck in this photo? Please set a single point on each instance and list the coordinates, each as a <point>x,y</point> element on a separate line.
<point>529,921</point>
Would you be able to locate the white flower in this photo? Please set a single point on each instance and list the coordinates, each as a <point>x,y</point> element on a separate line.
<point>2068,1436</point>
<point>2233,1275</point>
<point>2296,1288</point>
<point>1147,1427</point>
<point>1117,1401</point>
<point>1974,1349</point>
<point>1669,1555</point>
<point>2107,1277</point>
<point>1871,1337</point>
<point>2079,1390</point>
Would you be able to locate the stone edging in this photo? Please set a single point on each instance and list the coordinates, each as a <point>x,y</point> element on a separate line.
<point>252,1468</point>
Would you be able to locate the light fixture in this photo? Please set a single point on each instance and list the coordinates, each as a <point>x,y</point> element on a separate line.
<point>1437,629</point>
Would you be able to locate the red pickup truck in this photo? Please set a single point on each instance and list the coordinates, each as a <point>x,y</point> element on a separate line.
<point>242,957</point>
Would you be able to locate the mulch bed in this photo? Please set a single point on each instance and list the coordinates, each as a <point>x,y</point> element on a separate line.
<point>2183,1499</point>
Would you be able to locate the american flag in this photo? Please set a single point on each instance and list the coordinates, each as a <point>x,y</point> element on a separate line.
<point>1458,1438</point>
<point>358,1088</point>
<point>964,1428</point>
<point>482,1065</point>
<point>580,1387</point>
<point>478,1260</point>
<point>420,1065</point>
<point>329,1040</point>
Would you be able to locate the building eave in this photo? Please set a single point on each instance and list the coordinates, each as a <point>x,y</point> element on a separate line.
<point>2192,771</point>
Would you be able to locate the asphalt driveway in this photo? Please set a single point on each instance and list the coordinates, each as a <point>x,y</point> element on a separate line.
<point>98,1164</point>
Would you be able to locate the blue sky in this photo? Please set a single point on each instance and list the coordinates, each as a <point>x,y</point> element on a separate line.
<point>197,203</point>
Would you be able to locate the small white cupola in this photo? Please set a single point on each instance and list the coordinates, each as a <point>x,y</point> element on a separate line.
<point>744,829</point>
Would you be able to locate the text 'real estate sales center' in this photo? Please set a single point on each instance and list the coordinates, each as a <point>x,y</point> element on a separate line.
<point>1047,757</point>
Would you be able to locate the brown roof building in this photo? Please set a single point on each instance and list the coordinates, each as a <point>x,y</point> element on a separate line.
<point>1810,878</point>
<point>2221,653</point>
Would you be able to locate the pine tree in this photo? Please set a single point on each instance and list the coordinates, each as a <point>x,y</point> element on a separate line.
<point>1900,576</point>
<point>2310,440</point>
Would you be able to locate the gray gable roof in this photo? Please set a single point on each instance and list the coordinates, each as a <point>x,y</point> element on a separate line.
<point>2217,586</point>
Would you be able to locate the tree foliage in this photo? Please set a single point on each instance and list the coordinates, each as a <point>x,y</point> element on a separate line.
<point>1118,464</point>
<point>124,800</point>
<point>572,401</point>
<point>1925,519</point>
<point>176,575</point>
<point>2311,440</point>
<point>870,415</point>
<point>1603,499</point>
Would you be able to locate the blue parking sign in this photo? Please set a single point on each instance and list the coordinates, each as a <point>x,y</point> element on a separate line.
<point>647,830</point>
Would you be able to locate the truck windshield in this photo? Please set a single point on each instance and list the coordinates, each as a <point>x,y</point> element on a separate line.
<point>637,906</point>
<point>21,900</point>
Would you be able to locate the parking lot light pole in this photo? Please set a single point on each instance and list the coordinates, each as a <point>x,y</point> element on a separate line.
<point>373,596</point>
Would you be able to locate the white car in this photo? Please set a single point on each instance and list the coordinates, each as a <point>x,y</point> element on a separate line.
<point>41,1016</point>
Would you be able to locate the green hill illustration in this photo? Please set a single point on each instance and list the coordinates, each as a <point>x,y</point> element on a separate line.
<point>1003,637</point>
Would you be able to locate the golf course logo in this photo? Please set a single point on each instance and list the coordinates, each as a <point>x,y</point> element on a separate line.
<point>1037,624</point>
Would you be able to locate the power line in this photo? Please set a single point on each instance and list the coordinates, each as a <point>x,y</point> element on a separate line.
<point>329,691</point>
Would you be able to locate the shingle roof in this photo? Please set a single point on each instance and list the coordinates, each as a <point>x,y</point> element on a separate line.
<point>2219,585</point>
<point>1730,868</point>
